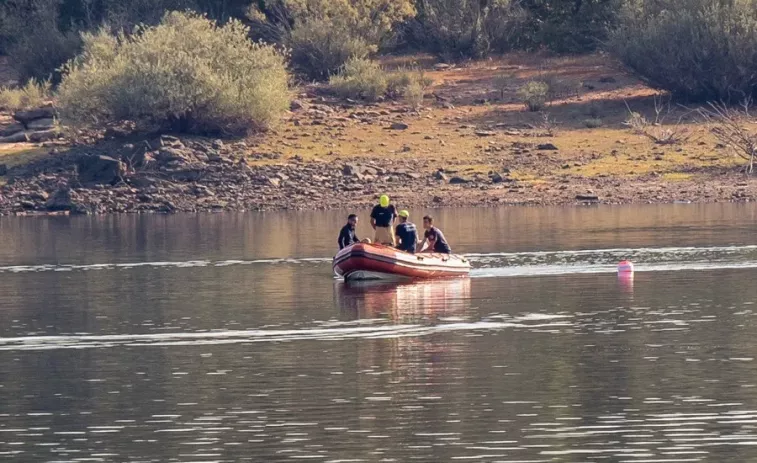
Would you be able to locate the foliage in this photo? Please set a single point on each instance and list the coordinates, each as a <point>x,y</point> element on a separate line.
<point>324,34</point>
<point>408,84</point>
<point>458,28</point>
<point>733,127</point>
<point>534,95</point>
<point>360,78</point>
<point>186,74</point>
<point>593,123</point>
<point>32,95</point>
<point>697,49</point>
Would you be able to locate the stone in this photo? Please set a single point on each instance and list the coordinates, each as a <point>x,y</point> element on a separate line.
<point>441,66</point>
<point>27,116</point>
<point>166,155</point>
<point>39,195</point>
<point>44,135</point>
<point>496,178</point>
<point>20,137</point>
<point>41,124</point>
<point>202,191</point>
<point>399,126</point>
<point>170,141</point>
<point>3,169</point>
<point>439,175</point>
<point>296,105</point>
<point>485,133</point>
<point>587,197</point>
<point>546,147</point>
<point>11,129</point>
<point>63,199</point>
<point>100,169</point>
<point>458,181</point>
<point>352,169</point>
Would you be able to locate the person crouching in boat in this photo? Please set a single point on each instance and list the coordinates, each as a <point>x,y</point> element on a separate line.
<point>406,233</point>
<point>434,237</point>
<point>347,236</point>
<point>382,221</point>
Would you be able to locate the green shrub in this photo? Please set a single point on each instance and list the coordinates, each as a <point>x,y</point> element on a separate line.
<point>534,95</point>
<point>696,49</point>
<point>319,49</point>
<point>41,54</point>
<point>460,28</point>
<point>408,84</point>
<point>360,79</point>
<point>32,95</point>
<point>186,74</point>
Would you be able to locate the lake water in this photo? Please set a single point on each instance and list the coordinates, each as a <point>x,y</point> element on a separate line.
<point>226,338</point>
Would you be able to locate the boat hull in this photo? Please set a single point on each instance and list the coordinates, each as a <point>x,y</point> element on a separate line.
<point>377,262</point>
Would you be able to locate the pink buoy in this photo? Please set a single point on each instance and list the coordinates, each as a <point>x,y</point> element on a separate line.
<point>625,266</point>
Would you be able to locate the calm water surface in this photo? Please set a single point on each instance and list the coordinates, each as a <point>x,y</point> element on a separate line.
<point>226,338</point>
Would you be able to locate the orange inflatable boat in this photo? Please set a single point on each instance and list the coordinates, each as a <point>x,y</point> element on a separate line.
<point>378,262</point>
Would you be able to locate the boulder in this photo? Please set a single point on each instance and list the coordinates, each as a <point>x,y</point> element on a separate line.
<point>296,105</point>
<point>485,133</point>
<point>439,175</point>
<point>20,137</point>
<point>547,147</point>
<point>11,129</point>
<point>166,155</point>
<point>399,126</point>
<point>458,181</point>
<point>44,135</point>
<point>3,169</point>
<point>25,117</point>
<point>100,169</point>
<point>41,124</point>
<point>61,200</point>
<point>496,178</point>
<point>587,197</point>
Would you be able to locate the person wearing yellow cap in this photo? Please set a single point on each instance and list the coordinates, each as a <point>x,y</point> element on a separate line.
<point>382,221</point>
<point>406,233</point>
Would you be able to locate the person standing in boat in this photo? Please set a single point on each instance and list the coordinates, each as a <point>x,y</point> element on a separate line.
<point>406,233</point>
<point>382,221</point>
<point>434,237</point>
<point>347,236</point>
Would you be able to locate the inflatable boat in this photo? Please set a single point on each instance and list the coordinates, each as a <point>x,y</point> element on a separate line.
<point>378,262</point>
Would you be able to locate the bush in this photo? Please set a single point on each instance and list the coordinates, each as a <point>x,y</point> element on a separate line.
<point>360,78</point>
<point>319,49</point>
<point>32,95</point>
<point>696,49</point>
<point>459,28</point>
<point>534,95</point>
<point>408,84</point>
<point>41,53</point>
<point>186,74</point>
<point>324,34</point>
<point>593,123</point>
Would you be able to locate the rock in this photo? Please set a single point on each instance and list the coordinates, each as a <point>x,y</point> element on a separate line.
<point>61,200</point>
<point>607,80</point>
<point>202,191</point>
<point>20,137</point>
<point>100,169</point>
<point>170,141</point>
<point>296,105</point>
<point>11,129</point>
<point>45,135</point>
<point>485,133</point>
<point>458,181</point>
<point>441,67</point>
<point>352,169</point>
<point>587,197</point>
<point>41,124</point>
<point>3,170</point>
<point>546,147</point>
<point>25,117</point>
<point>496,178</point>
<point>40,196</point>
<point>439,175</point>
<point>166,155</point>
<point>274,182</point>
<point>399,126</point>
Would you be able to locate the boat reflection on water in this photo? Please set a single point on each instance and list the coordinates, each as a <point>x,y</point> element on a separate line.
<point>407,302</point>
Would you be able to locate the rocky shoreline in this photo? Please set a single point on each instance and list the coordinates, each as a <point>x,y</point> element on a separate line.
<point>169,174</point>
<point>123,173</point>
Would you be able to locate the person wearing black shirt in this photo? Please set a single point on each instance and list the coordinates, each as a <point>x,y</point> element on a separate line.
<point>434,237</point>
<point>347,236</point>
<point>382,221</point>
<point>406,233</point>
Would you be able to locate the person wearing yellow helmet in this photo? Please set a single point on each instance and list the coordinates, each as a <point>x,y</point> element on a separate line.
<point>382,221</point>
<point>406,233</point>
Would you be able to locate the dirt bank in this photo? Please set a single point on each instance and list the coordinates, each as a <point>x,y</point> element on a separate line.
<point>472,144</point>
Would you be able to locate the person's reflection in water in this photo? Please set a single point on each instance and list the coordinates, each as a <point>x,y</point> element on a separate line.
<point>403,302</point>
